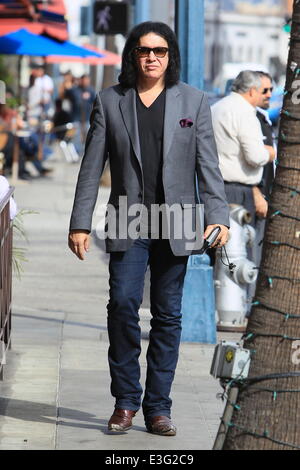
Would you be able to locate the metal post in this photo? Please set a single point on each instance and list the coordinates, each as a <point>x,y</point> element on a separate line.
<point>141,11</point>
<point>226,418</point>
<point>189,24</point>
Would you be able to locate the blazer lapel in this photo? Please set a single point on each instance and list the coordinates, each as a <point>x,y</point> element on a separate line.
<point>128,110</point>
<point>172,110</point>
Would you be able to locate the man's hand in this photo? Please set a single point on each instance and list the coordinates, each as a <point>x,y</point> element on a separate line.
<point>222,237</point>
<point>261,205</point>
<point>272,153</point>
<point>79,242</point>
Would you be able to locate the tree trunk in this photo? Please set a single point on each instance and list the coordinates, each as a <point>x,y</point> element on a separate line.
<point>267,415</point>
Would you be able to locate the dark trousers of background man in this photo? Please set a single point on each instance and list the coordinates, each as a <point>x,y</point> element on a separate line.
<point>266,183</point>
<point>127,272</point>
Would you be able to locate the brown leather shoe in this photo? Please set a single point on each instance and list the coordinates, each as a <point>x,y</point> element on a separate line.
<point>121,420</point>
<point>161,425</point>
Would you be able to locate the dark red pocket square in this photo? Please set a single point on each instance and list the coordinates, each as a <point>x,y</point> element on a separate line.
<point>186,122</point>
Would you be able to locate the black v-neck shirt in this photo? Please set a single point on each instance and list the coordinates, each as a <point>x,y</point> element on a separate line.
<point>151,130</point>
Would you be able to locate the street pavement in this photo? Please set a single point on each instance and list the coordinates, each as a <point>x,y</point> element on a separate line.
<point>56,388</point>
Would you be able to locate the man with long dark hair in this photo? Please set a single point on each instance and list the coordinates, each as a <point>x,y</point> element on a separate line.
<point>158,135</point>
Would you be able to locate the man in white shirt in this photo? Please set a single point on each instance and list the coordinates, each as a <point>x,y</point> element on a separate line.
<point>241,149</point>
<point>44,86</point>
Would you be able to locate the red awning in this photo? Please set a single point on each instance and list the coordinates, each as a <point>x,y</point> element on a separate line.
<point>42,18</point>
<point>109,58</point>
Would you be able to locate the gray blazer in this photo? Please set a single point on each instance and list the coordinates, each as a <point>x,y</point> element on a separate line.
<point>188,150</point>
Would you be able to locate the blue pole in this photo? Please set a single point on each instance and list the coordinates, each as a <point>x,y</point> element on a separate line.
<point>141,11</point>
<point>190,34</point>
<point>198,301</point>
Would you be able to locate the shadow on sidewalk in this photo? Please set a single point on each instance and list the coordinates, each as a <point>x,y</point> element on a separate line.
<point>45,413</point>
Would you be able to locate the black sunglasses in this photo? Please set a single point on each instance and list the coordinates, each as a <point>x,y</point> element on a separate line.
<point>142,51</point>
<point>265,90</point>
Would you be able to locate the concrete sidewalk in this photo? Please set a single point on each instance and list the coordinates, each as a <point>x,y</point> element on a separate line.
<point>55,393</point>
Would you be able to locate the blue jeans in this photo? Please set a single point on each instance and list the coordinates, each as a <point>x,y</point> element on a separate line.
<point>127,273</point>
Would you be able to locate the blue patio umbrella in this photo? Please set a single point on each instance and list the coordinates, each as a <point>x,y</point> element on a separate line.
<point>22,42</point>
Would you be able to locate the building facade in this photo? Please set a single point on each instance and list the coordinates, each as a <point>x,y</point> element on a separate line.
<point>239,31</point>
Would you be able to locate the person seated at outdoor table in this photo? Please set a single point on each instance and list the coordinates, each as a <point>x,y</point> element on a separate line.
<point>11,122</point>
<point>7,148</point>
<point>30,145</point>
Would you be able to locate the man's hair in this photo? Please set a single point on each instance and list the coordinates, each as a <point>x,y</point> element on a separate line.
<point>129,71</point>
<point>264,74</point>
<point>37,66</point>
<point>245,80</point>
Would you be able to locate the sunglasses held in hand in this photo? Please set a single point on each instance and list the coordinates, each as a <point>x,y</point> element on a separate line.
<point>143,51</point>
